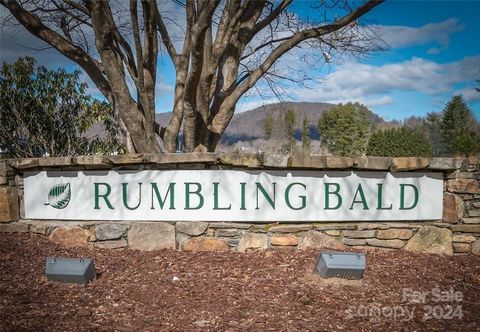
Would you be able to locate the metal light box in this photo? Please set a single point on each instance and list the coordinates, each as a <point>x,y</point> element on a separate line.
<point>346,265</point>
<point>70,270</point>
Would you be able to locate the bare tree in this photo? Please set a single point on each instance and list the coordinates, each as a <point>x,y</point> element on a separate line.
<point>227,47</point>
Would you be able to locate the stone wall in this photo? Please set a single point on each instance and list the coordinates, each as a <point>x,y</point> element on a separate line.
<point>457,233</point>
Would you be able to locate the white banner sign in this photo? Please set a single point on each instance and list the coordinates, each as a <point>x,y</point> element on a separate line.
<point>217,195</point>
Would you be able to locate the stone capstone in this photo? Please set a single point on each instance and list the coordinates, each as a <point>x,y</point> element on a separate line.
<point>251,160</point>
<point>252,241</point>
<point>196,244</point>
<point>125,159</point>
<point>373,163</point>
<point>409,163</point>
<point>151,236</point>
<point>180,158</point>
<point>318,240</point>
<point>110,231</point>
<point>23,163</point>
<point>275,160</point>
<point>70,237</point>
<point>339,162</point>
<point>93,161</point>
<point>192,228</point>
<point>54,161</point>
<point>445,164</point>
<point>430,239</point>
<point>301,160</point>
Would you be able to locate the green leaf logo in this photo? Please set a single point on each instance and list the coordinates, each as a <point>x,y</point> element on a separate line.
<point>59,196</point>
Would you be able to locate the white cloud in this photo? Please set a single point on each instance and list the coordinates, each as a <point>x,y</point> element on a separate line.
<point>434,50</point>
<point>469,94</point>
<point>372,84</point>
<point>404,36</point>
<point>374,102</point>
<point>162,88</point>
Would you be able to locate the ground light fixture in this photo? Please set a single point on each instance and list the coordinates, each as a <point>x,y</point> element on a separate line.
<point>346,265</point>
<point>70,270</point>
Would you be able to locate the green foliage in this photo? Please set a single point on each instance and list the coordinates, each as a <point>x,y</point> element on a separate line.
<point>46,112</point>
<point>399,142</point>
<point>459,129</point>
<point>267,124</point>
<point>344,129</point>
<point>289,121</point>
<point>306,139</point>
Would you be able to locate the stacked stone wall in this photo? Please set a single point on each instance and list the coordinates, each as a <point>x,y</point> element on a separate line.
<point>457,233</point>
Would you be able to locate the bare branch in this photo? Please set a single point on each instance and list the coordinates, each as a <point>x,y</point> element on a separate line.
<point>296,39</point>
<point>137,41</point>
<point>165,35</point>
<point>35,26</point>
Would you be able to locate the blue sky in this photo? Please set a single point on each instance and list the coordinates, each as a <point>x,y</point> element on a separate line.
<point>460,41</point>
<point>434,54</point>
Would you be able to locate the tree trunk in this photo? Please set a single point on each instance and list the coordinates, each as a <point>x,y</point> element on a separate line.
<point>143,141</point>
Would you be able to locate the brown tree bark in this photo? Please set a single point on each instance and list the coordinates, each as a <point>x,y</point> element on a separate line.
<point>211,75</point>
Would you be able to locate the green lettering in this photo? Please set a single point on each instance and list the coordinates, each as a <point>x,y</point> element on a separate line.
<point>380,199</point>
<point>362,198</point>
<point>269,199</point>
<point>124,196</point>
<point>242,193</point>
<point>170,191</point>
<point>402,196</point>
<point>215,199</point>
<point>104,196</point>
<point>197,192</point>
<point>336,193</point>
<point>303,198</point>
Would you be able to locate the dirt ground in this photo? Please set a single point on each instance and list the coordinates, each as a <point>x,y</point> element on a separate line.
<point>273,290</point>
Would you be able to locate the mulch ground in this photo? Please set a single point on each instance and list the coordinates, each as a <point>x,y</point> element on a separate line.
<point>272,290</point>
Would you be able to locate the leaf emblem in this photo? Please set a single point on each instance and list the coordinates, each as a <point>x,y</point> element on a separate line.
<point>59,196</point>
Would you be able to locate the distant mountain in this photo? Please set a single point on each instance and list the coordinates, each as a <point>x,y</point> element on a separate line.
<point>246,126</point>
